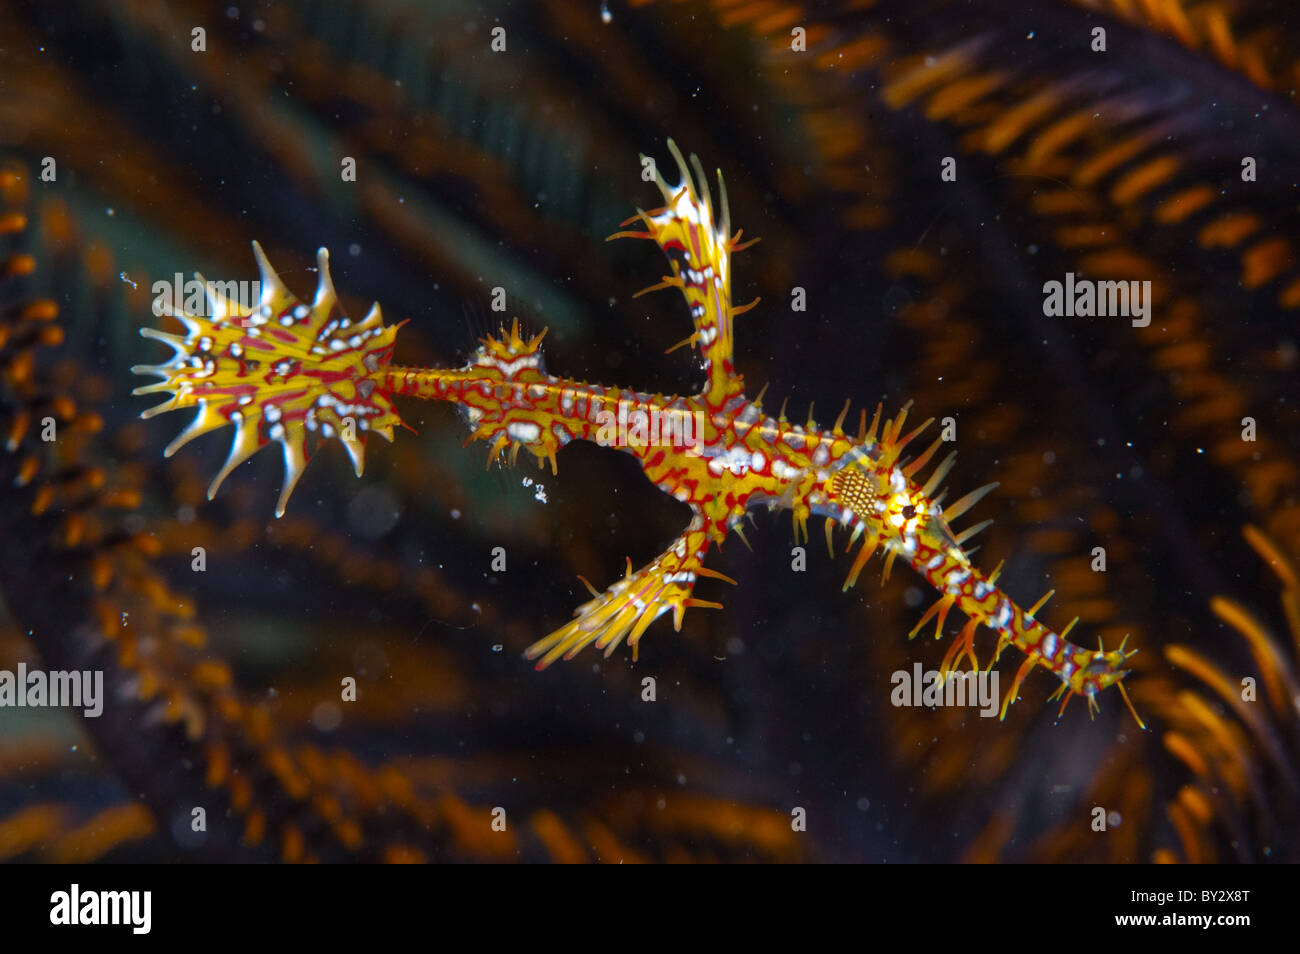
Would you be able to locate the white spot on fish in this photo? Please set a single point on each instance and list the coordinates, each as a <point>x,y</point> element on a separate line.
<point>523,431</point>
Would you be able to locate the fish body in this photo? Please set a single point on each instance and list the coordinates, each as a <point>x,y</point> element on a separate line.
<point>291,371</point>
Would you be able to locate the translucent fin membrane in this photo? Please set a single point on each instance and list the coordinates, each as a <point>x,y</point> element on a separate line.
<point>279,373</point>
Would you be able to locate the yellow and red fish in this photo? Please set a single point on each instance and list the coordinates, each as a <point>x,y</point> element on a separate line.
<point>289,371</point>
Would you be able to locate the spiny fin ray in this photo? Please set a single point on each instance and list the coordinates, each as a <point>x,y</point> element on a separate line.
<point>279,370</point>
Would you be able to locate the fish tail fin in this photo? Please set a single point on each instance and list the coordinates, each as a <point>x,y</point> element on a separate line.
<point>281,372</point>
